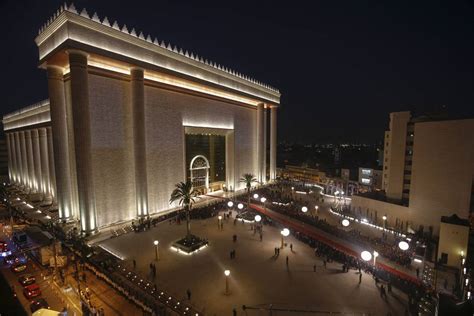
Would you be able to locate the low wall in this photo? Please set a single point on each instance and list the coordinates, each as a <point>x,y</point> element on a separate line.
<point>392,211</point>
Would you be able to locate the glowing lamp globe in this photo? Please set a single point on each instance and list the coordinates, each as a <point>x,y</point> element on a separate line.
<point>255,196</point>
<point>230,204</point>
<point>219,217</point>
<point>403,245</point>
<point>263,199</point>
<point>227,272</point>
<point>304,209</point>
<point>366,256</point>
<point>345,222</point>
<point>384,218</point>
<point>240,206</point>
<point>155,242</point>
<point>285,232</point>
<point>258,218</point>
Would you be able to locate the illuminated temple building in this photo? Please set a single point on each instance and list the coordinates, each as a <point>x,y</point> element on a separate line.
<point>128,117</point>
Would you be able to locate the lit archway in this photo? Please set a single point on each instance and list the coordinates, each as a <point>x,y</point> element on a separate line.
<point>199,172</point>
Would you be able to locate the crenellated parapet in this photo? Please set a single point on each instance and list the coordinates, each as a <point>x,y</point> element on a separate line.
<point>68,24</point>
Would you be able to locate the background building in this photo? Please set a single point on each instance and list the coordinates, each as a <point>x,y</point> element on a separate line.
<point>370,178</point>
<point>128,118</point>
<point>428,171</point>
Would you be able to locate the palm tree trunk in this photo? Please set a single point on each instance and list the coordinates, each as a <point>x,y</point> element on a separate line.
<point>248,205</point>
<point>188,226</point>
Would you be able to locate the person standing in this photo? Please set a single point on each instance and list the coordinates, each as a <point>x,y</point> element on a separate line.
<point>287,259</point>
<point>188,293</point>
<point>360,278</point>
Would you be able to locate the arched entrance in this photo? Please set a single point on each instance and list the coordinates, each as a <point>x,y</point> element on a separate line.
<point>199,172</point>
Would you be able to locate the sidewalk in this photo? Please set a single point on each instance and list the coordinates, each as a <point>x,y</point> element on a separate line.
<point>102,296</point>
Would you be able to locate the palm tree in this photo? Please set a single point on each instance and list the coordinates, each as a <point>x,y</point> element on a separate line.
<point>248,179</point>
<point>185,194</point>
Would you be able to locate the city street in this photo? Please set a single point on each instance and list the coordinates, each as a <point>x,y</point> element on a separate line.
<point>257,278</point>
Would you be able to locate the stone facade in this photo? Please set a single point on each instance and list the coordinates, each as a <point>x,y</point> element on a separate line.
<point>109,145</point>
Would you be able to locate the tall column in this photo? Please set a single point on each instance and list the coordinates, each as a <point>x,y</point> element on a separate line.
<point>19,158</point>
<point>30,160</point>
<point>82,139</point>
<point>260,137</point>
<point>10,160</point>
<point>45,185</point>
<point>14,157</point>
<point>24,159</point>
<point>12,151</point>
<point>264,145</point>
<point>52,173</point>
<point>273,142</point>
<point>59,137</point>
<point>37,183</point>
<point>139,145</point>
<point>212,157</point>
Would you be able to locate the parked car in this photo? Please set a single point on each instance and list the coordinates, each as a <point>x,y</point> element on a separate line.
<point>26,279</point>
<point>18,267</point>
<point>11,259</point>
<point>31,291</point>
<point>38,304</point>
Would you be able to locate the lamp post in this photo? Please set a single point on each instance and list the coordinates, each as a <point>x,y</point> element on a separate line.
<point>376,254</point>
<point>263,199</point>
<point>366,255</point>
<point>219,222</point>
<point>227,273</point>
<point>403,245</point>
<point>157,255</point>
<point>384,220</point>
<point>284,233</point>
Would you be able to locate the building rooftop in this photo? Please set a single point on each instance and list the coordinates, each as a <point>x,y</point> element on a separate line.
<point>455,220</point>
<point>138,46</point>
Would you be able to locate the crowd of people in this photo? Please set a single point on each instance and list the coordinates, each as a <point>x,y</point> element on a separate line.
<point>288,207</point>
<point>414,290</point>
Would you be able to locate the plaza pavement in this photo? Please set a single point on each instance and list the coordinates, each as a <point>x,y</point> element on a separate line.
<point>257,278</point>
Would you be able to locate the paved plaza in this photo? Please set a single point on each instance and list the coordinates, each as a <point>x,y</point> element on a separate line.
<point>257,278</point>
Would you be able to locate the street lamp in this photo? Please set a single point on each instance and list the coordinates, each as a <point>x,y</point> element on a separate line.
<point>384,220</point>
<point>258,218</point>
<point>227,273</point>
<point>230,204</point>
<point>345,222</point>
<point>304,209</point>
<point>376,254</point>
<point>240,206</point>
<point>255,196</point>
<point>219,221</point>
<point>403,245</point>
<point>263,199</point>
<point>284,233</point>
<point>365,255</point>
<point>157,256</point>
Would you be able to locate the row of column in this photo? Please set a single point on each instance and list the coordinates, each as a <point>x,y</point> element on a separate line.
<point>72,141</point>
<point>31,163</point>
<point>262,142</point>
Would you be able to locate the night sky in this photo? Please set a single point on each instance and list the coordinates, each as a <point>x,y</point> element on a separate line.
<point>341,66</point>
